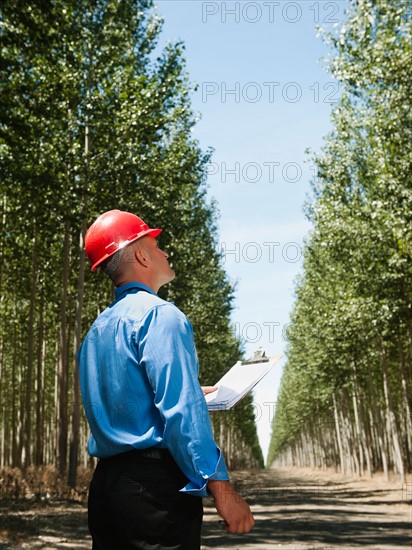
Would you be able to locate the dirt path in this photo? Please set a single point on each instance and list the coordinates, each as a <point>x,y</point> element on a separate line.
<point>294,509</point>
<point>302,509</point>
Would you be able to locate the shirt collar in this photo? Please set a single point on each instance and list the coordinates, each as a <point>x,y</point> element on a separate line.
<point>124,289</point>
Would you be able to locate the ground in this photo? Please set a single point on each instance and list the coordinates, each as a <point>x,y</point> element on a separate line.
<point>294,509</point>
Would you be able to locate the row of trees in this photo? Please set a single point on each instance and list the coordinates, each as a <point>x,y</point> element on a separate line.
<point>346,394</point>
<point>90,121</point>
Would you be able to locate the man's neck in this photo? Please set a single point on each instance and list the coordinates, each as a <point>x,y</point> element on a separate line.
<point>124,280</point>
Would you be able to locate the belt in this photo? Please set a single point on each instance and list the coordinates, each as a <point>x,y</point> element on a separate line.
<point>155,453</point>
<point>151,452</point>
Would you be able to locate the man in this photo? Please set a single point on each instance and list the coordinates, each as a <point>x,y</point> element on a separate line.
<point>147,413</point>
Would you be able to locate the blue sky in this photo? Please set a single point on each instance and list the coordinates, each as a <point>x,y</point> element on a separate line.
<point>264,97</point>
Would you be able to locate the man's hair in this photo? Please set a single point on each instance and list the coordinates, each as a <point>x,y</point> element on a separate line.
<point>111,265</point>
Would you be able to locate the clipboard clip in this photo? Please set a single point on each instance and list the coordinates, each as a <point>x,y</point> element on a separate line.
<point>258,356</point>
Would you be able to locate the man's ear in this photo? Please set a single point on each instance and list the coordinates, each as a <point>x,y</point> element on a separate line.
<point>142,256</point>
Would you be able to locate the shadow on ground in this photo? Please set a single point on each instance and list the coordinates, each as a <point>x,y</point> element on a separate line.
<point>53,525</point>
<point>316,511</point>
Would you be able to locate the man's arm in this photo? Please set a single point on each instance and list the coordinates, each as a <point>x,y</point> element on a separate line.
<point>231,506</point>
<point>167,353</point>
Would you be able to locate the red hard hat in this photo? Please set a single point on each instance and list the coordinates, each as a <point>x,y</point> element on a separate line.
<point>111,232</point>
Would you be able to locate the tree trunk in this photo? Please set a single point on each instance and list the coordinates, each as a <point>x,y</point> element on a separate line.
<point>30,358</point>
<point>338,435</point>
<point>62,372</point>
<point>41,352</point>
<point>378,426</point>
<point>407,408</point>
<point>75,428</point>
<point>16,457</point>
<point>359,430</point>
<point>74,439</point>
<point>3,316</point>
<point>391,420</point>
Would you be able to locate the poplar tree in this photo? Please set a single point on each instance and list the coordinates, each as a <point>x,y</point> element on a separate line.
<point>350,339</point>
<point>91,120</point>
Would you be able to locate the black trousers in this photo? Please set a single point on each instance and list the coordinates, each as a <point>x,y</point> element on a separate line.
<point>134,502</point>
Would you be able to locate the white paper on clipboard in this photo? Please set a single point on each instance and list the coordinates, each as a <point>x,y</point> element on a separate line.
<point>238,382</point>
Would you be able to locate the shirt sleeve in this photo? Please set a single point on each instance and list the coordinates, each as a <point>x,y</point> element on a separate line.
<point>167,352</point>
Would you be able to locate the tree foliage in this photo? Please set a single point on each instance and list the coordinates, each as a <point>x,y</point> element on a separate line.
<point>346,392</point>
<point>91,120</point>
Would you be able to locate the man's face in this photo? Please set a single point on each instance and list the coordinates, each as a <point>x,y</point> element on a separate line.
<point>159,264</point>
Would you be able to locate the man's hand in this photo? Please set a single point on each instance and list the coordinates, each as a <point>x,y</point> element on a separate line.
<point>231,506</point>
<point>208,389</point>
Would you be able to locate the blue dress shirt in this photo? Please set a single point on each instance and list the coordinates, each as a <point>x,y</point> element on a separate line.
<point>139,381</point>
